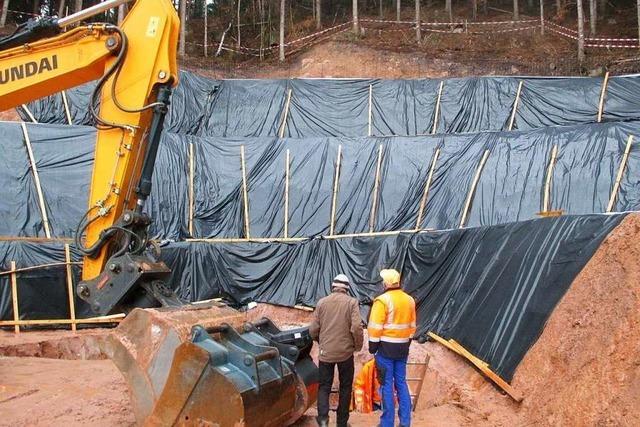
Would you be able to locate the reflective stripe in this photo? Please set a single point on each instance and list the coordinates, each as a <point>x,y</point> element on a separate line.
<point>372,339</point>
<point>373,325</point>
<point>399,325</point>
<point>394,340</point>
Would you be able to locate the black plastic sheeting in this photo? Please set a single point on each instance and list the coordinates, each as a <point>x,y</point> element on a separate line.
<point>342,107</point>
<point>490,288</point>
<point>510,187</point>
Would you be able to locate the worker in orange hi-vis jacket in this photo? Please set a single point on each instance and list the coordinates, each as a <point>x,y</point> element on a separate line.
<point>392,323</point>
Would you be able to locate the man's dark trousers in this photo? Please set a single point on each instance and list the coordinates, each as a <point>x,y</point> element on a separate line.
<point>345,376</point>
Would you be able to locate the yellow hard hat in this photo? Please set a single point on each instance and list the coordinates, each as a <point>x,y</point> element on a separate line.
<point>390,278</point>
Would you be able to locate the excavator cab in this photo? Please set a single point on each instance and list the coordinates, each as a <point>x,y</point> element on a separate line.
<point>185,364</point>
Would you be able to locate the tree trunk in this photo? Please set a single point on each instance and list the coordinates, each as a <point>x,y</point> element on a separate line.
<point>238,27</point>
<point>593,17</point>
<point>381,11</point>
<point>516,12</point>
<point>356,28</point>
<point>530,4</point>
<point>61,9</point>
<point>318,15</point>
<point>580,31</point>
<point>542,17</point>
<point>447,8</point>
<point>183,26</point>
<point>5,9</point>
<point>398,5</point>
<point>206,29</point>
<point>603,8</point>
<point>283,11</point>
<point>418,35</point>
<point>78,6</point>
<point>474,9</point>
<point>558,7</point>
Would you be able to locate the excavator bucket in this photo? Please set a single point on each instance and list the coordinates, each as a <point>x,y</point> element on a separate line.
<point>203,364</point>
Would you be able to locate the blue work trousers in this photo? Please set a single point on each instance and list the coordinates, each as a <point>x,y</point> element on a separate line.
<point>392,375</point>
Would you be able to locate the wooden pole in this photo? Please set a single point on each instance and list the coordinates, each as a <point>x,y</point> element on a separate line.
<point>334,197</point>
<point>286,196</point>
<point>370,107</point>
<point>65,102</point>
<point>285,115</point>
<point>616,185</point>
<point>282,13</point>
<point>112,318</point>
<point>515,106</point>
<point>36,179</point>
<point>245,194</point>
<point>547,186</point>
<point>376,187</point>
<point>602,96</point>
<point>26,110</point>
<point>437,113</point>
<point>191,187</point>
<point>72,303</point>
<point>14,296</point>
<point>427,185</point>
<point>472,190</point>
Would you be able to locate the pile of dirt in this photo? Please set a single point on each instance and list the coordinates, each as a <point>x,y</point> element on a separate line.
<point>56,344</point>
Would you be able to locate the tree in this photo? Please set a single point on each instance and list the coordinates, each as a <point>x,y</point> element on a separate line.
<point>5,9</point>
<point>318,15</point>
<point>356,28</point>
<point>398,6</point>
<point>447,7</point>
<point>206,31</point>
<point>580,31</point>
<point>516,12</point>
<point>238,31</point>
<point>78,6</point>
<point>418,35</point>
<point>61,8</point>
<point>282,13</point>
<point>593,16</point>
<point>183,26</point>
<point>381,11</point>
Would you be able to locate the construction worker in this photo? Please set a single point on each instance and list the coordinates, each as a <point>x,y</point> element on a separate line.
<point>337,327</point>
<point>392,323</point>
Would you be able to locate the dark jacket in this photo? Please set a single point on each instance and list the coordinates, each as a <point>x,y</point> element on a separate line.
<point>337,327</point>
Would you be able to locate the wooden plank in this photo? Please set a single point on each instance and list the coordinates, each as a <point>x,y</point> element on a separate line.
<point>36,267</point>
<point>191,187</point>
<point>437,112</point>
<point>65,102</point>
<point>370,107</point>
<point>603,93</point>
<point>616,185</point>
<point>71,294</point>
<point>283,124</point>
<point>334,197</point>
<point>547,185</point>
<point>245,194</point>
<point>483,366</point>
<point>420,380</point>
<point>286,196</point>
<point>253,239</point>
<point>303,308</point>
<point>472,190</point>
<point>112,318</point>
<point>14,297</point>
<point>427,186</point>
<point>36,179</point>
<point>376,187</point>
<point>515,106</point>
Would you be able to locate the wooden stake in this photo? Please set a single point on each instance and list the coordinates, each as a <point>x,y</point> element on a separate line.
<point>547,185</point>
<point>286,197</point>
<point>14,296</point>
<point>515,106</point>
<point>616,185</point>
<point>72,303</point>
<point>376,186</point>
<point>283,124</point>
<point>191,188</point>
<point>334,198</point>
<point>245,194</point>
<point>602,95</point>
<point>472,190</point>
<point>26,110</point>
<point>437,113</point>
<point>370,103</point>
<point>36,179</point>
<point>427,185</point>
<point>66,107</point>
<point>481,365</point>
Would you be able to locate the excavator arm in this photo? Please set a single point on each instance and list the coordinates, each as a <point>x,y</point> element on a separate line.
<point>135,64</point>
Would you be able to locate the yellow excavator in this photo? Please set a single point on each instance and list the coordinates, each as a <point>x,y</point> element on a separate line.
<point>185,364</point>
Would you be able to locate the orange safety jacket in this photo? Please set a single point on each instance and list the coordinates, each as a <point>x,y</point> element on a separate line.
<point>365,389</point>
<point>392,323</point>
